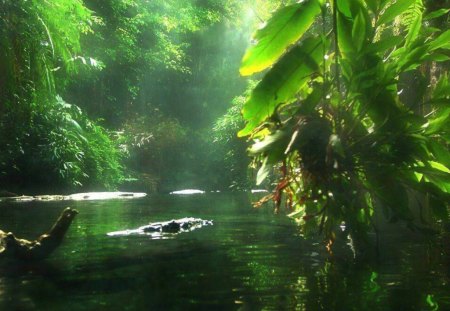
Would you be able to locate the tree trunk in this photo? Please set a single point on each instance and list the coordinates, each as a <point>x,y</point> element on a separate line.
<point>13,248</point>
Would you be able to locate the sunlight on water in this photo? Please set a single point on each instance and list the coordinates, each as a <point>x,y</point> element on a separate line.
<point>188,191</point>
<point>249,259</point>
<point>259,191</point>
<point>105,195</point>
<point>76,197</point>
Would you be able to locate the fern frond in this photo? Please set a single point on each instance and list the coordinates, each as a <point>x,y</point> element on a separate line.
<point>409,16</point>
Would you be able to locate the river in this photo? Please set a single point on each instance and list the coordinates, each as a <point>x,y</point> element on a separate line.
<point>248,260</point>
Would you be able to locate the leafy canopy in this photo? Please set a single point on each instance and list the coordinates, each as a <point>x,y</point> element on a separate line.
<point>334,114</point>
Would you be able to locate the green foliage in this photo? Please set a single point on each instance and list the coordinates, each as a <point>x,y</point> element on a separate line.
<point>393,10</point>
<point>37,38</point>
<point>48,143</point>
<point>156,147</point>
<point>431,302</point>
<point>284,28</point>
<point>165,56</point>
<point>141,43</point>
<point>58,148</point>
<point>334,119</point>
<point>280,85</point>
<point>229,164</point>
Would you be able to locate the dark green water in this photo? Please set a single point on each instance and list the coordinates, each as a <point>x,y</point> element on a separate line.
<point>248,260</point>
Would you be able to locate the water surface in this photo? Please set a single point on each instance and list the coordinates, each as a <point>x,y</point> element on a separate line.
<point>248,260</point>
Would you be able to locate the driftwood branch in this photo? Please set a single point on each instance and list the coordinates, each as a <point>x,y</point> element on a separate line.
<point>14,248</point>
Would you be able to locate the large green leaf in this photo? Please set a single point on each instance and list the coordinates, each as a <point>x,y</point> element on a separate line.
<point>439,122</point>
<point>373,5</point>
<point>385,44</point>
<point>345,30</point>
<point>414,30</point>
<point>439,178</point>
<point>271,142</point>
<point>442,89</point>
<point>394,10</point>
<point>413,59</point>
<point>283,81</point>
<point>273,148</point>
<point>359,31</point>
<point>285,28</point>
<point>343,7</point>
<point>436,57</point>
<point>443,41</point>
<point>439,166</point>
<point>436,173</point>
<point>436,14</point>
<point>440,153</point>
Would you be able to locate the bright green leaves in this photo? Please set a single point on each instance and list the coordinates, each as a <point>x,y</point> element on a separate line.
<point>64,22</point>
<point>273,148</point>
<point>359,31</point>
<point>283,81</point>
<point>414,30</point>
<point>440,122</point>
<point>443,41</point>
<point>353,27</point>
<point>394,10</point>
<point>441,94</point>
<point>417,46</point>
<point>411,55</point>
<point>436,14</point>
<point>436,173</point>
<point>347,125</point>
<point>432,303</point>
<point>285,28</point>
<point>373,5</point>
<point>438,166</point>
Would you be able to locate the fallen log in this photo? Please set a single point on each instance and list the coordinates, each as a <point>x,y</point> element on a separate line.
<point>13,248</point>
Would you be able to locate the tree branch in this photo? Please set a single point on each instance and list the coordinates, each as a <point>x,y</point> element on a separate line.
<point>14,248</point>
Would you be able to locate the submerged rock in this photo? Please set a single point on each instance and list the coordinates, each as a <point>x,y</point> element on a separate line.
<point>158,229</point>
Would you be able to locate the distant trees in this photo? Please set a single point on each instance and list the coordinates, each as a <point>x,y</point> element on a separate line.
<point>159,70</point>
<point>169,69</point>
<point>148,51</point>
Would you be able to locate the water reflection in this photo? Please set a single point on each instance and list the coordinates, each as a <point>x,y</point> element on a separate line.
<point>249,260</point>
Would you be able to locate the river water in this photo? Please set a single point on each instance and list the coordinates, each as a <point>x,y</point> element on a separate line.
<point>248,260</point>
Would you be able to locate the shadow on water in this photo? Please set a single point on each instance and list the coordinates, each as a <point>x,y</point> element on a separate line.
<point>248,260</point>
<point>170,280</point>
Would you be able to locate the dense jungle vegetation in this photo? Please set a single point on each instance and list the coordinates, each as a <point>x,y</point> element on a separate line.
<point>96,95</point>
<point>353,113</point>
<point>348,108</point>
